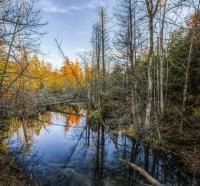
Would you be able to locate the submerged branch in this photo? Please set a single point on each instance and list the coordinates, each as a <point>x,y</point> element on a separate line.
<point>148,177</point>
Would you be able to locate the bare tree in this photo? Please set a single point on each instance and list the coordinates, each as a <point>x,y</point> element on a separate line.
<point>21,23</point>
<point>96,44</point>
<point>152,9</point>
<point>129,15</point>
<point>161,55</point>
<point>100,45</point>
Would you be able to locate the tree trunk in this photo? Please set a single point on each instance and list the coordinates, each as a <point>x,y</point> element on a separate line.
<point>148,177</point>
<point>151,14</point>
<point>161,60</point>
<point>150,78</point>
<point>187,73</point>
<point>102,13</point>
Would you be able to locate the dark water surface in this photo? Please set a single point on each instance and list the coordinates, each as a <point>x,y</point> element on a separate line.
<point>65,150</point>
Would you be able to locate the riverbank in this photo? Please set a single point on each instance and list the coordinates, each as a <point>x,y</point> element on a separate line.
<point>185,145</point>
<point>11,173</point>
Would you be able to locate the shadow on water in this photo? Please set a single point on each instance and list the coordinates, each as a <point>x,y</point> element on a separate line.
<point>68,151</point>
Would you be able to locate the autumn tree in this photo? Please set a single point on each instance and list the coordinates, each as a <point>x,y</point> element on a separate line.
<point>73,72</point>
<point>21,21</point>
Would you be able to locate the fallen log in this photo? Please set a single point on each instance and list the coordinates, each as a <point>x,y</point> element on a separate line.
<point>148,177</point>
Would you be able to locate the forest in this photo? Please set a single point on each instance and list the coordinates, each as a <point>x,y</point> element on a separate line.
<point>136,87</point>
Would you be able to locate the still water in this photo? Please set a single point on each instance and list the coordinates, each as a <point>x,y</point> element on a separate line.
<point>62,149</point>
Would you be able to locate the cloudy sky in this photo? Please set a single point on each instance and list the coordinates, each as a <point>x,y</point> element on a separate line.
<point>70,21</point>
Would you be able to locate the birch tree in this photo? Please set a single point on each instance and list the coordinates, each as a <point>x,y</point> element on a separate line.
<point>152,9</point>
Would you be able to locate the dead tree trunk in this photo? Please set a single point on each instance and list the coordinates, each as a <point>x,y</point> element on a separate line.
<point>151,14</point>
<point>102,15</point>
<point>161,56</point>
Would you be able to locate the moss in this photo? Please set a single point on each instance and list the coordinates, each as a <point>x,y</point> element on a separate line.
<point>170,113</point>
<point>95,117</point>
<point>81,105</point>
<point>130,131</point>
<point>2,120</point>
<point>196,111</point>
<point>107,108</point>
<point>189,137</point>
<point>75,107</point>
<point>153,141</point>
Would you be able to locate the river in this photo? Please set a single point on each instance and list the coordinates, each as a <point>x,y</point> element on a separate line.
<point>63,149</point>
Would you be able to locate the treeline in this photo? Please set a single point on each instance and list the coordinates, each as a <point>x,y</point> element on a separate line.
<point>145,63</point>
<point>20,33</point>
<point>39,80</point>
<point>24,78</point>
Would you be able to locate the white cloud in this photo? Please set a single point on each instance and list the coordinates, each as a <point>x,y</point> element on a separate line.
<point>49,6</point>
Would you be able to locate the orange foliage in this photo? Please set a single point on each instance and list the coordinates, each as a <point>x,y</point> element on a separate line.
<point>40,75</point>
<point>7,96</point>
<point>72,71</point>
<point>55,80</point>
<point>194,20</point>
<point>78,71</point>
<point>72,119</point>
<point>87,73</point>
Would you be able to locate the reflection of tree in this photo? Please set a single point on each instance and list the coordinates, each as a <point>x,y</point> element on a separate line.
<point>99,159</point>
<point>46,117</point>
<point>72,118</point>
<point>3,136</point>
<point>96,170</point>
<point>27,129</point>
<point>101,153</point>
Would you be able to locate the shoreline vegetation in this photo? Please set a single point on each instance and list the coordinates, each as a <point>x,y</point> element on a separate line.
<point>142,78</point>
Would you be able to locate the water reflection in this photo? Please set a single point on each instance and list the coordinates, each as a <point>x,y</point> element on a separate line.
<point>73,153</point>
<point>72,118</point>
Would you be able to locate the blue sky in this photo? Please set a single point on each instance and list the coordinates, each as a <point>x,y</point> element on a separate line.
<point>70,21</point>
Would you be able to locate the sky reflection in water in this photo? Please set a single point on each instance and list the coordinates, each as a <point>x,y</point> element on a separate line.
<point>70,152</point>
